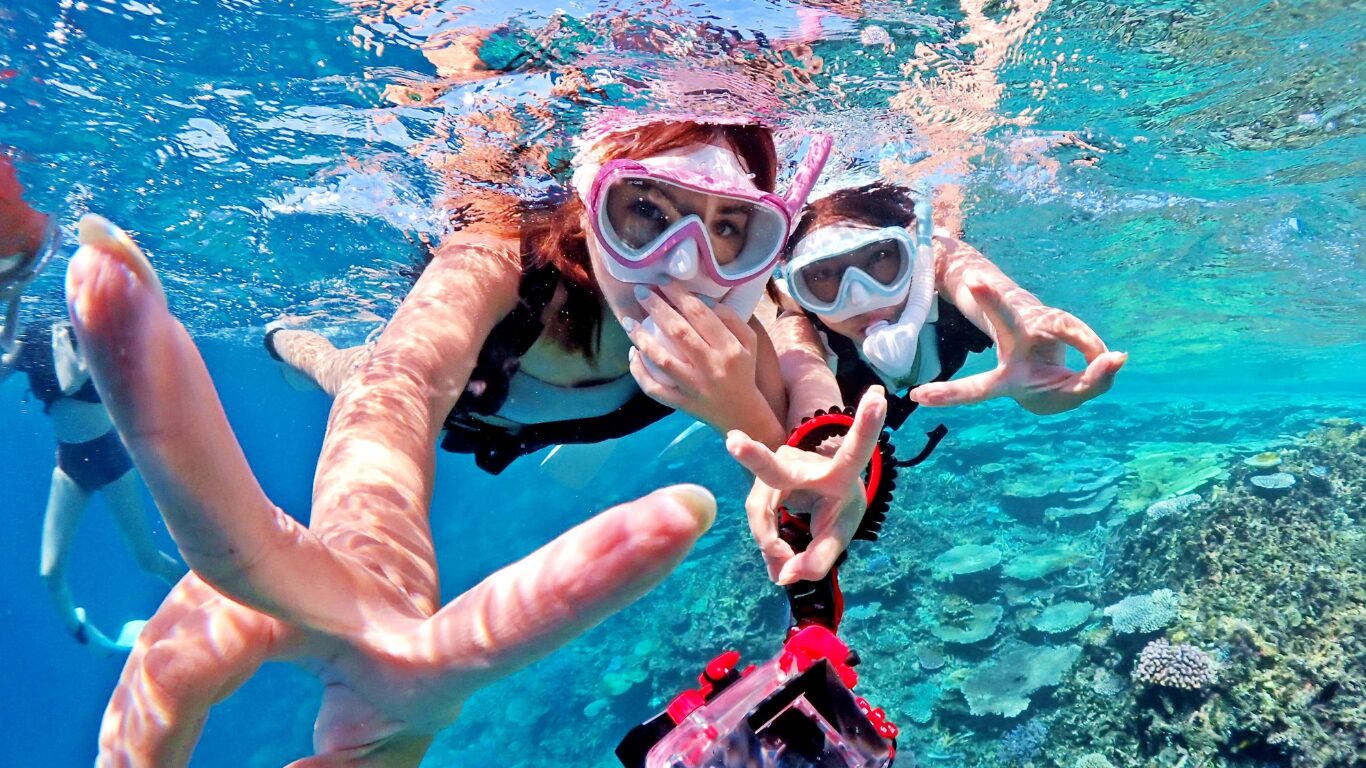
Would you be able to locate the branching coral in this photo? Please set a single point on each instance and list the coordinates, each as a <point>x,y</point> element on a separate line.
<point>1174,666</point>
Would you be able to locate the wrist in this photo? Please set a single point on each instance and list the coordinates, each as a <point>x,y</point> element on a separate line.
<point>753,416</point>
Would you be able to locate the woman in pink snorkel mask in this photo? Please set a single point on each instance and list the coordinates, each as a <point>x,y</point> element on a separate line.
<point>635,293</point>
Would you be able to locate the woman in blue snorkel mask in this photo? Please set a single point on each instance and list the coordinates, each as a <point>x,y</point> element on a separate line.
<point>877,299</point>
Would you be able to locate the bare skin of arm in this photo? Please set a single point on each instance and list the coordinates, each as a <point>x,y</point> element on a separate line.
<point>354,597</point>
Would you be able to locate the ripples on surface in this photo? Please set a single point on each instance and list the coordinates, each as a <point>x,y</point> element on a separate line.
<point>1186,176</point>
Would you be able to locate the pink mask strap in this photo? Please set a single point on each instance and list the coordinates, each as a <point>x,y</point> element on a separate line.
<point>807,173</point>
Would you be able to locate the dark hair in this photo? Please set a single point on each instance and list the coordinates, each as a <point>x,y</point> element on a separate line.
<point>877,205</point>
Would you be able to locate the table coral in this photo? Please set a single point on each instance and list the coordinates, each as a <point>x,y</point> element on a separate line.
<point>1144,613</point>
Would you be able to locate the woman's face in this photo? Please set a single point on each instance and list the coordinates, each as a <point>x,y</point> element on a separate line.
<point>643,209</point>
<point>879,261</point>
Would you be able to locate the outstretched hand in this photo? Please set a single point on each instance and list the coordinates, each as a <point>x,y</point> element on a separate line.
<point>355,597</point>
<point>1031,345</point>
<point>829,488</point>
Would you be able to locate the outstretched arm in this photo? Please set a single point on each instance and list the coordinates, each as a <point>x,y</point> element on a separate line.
<point>811,385</point>
<point>341,604</point>
<point>1031,339</point>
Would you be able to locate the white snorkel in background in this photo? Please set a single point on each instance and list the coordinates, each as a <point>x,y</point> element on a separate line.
<point>892,347</point>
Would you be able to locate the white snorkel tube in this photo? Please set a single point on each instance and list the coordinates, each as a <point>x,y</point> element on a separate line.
<point>892,347</point>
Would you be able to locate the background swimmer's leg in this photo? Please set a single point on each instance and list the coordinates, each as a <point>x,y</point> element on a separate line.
<point>66,505</point>
<point>126,503</point>
<point>196,650</point>
<point>160,396</point>
<point>314,356</point>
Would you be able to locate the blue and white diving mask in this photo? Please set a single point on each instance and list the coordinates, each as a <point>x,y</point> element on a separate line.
<point>842,271</point>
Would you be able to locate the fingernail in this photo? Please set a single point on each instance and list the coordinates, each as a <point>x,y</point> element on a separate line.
<point>98,232</point>
<point>697,500</point>
<point>642,293</point>
<point>629,323</point>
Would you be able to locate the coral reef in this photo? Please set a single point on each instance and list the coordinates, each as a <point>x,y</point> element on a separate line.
<point>1022,743</point>
<point>1272,486</point>
<point>1271,589</point>
<point>964,559</point>
<point>1274,591</point>
<point>1264,460</point>
<point>1174,666</point>
<point>1173,506</point>
<point>1042,561</point>
<point>1004,686</point>
<point>1063,617</point>
<point>963,622</point>
<point>1144,613</point>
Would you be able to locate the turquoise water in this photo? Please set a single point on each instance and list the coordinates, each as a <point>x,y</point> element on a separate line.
<point>1186,177</point>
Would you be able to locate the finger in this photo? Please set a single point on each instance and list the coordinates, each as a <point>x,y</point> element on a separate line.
<point>1072,330</point>
<point>815,562</point>
<point>150,376</point>
<point>654,350</point>
<point>763,463</point>
<point>1002,317</point>
<point>1069,390</point>
<point>1098,377</point>
<point>670,321</point>
<point>702,318</point>
<point>972,389</point>
<point>761,508</point>
<point>831,531</point>
<point>859,444</point>
<point>657,390</point>
<point>738,327</point>
<point>532,607</point>
<point>197,649</point>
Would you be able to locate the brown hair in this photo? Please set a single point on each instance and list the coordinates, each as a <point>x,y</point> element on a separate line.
<point>876,205</point>
<point>552,234</point>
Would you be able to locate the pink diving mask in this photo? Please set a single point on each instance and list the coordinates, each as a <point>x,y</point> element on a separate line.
<point>693,216</point>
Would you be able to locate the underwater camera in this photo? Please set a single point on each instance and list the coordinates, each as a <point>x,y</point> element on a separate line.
<point>798,710</point>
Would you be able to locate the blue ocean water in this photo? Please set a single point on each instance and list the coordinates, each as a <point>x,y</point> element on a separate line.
<point>1185,176</point>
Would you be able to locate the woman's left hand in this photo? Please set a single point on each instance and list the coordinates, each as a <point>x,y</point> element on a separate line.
<point>708,353</point>
<point>1031,342</point>
<point>829,488</point>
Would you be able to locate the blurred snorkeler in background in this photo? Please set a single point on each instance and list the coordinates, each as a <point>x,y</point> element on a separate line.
<point>90,456</point>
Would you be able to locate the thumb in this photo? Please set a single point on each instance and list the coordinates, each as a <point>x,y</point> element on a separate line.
<point>561,590</point>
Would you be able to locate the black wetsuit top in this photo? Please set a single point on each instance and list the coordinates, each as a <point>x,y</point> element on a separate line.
<point>496,446</point>
<point>92,464</point>
<point>35,360</point>
<point>957,337</point>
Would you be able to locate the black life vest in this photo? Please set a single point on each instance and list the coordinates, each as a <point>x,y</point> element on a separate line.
<point>495,446</point>
<point>957,337</point>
